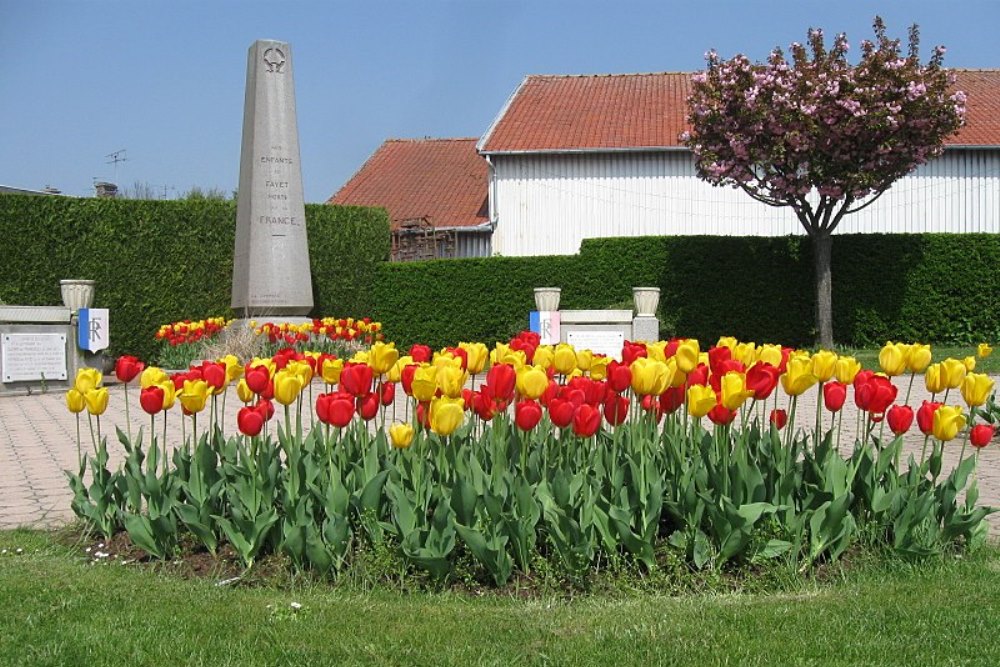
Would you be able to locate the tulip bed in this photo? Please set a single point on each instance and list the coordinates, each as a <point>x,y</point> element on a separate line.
<point>554,456</point>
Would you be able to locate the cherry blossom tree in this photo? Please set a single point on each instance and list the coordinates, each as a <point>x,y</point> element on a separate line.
<point>819,134</point>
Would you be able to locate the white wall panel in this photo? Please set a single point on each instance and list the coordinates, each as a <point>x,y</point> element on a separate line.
<point>547,204</point>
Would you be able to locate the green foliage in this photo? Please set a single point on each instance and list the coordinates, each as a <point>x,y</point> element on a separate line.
<point>885,287</point>
<point>162,261</point>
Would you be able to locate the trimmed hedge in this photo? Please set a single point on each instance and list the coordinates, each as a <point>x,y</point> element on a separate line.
<point>932,287</point>
<point>161,261</point>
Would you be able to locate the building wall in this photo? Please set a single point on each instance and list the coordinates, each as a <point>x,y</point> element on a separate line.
<point>546,204</point>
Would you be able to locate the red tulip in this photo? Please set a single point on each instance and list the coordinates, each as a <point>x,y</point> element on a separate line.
<point>594,391</point>
<point>368,405</point>
<point>265,407</point>
<point>323,407</point>
<point>672,399</point>
<point>980,435</point>
<point>341,410</point>
<point>698,376</point>
<point>619,376</point>
<point>762,378</point>
<point>630,352</point>
<point>151,399</point>
<point>388,393</point>
<point>586,421</point>
<point>875,396</point>
<point>551,391</point>
<point>268,392</point>
<point>214,374</point>
<point>406,378</point>
<point>502,378</point>
<point>925,416</point>
<point>716,356</point>
<point>127,367</point>
<point>249,421</point>
<point>651,405</point>
<point>424,415</point>
<point>615,408</point>
<point>420,353</point>
<point>527,414</point>
<point>561,412</point>
<point>356,379</point>
<point>834,395</point>
<point>257,378</point>
<point>899,418</point>
<point>483,404</point>
<point>779,418</point>
<point>721,415</point>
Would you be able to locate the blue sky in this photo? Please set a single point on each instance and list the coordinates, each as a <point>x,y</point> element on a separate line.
<point>165,80</point>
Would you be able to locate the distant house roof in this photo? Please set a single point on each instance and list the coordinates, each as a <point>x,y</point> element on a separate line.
<point>442,181</point>
<point>648,112</point>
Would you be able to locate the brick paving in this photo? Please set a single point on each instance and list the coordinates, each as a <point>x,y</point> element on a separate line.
<point>38,443</point>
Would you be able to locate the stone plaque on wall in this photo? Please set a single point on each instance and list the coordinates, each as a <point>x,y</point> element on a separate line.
<point>608,343</point>
<point>26,357</point>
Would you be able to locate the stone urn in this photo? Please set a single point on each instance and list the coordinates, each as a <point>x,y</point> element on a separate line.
<point>77,294</point>
<point>547,298</point>
<point>646,300</point>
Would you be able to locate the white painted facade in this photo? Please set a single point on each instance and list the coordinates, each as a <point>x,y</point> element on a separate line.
<point>547,203</point>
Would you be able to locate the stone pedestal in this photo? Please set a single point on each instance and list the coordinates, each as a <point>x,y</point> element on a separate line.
<point>38,350</point>
<point>271,275</point>
<point>645,328</point>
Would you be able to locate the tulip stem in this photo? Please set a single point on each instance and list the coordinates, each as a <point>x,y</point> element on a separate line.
<point>90,423</point>
<point>165,442</point>
<point>908,388</point>
<point>840,424</point>
<point>79,452</point>
<point>965,441</point>
<point>923,452</point>
<point>819,416</point>
<point>128,420</point>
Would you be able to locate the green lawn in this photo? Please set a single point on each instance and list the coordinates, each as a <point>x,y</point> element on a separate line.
<point>61,610</point>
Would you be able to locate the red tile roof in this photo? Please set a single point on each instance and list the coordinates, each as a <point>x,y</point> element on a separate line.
<point>647,111</point>
<point>443,180</point>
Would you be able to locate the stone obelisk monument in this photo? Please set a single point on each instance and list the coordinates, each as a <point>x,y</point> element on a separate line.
<point>271,262</point>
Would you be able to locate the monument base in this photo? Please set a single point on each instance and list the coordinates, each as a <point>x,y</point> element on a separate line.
<point>646,328</point>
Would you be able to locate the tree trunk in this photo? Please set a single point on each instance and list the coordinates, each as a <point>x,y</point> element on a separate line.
<point>822,246</point>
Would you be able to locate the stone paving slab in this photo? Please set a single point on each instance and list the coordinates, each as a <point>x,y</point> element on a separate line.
<point>38,443</point>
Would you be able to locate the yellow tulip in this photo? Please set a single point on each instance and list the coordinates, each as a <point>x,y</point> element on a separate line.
<point>395,373</point>
<point>599,367</point>
<point>478,355</point>
<point>234,369</point>
<point>446,414</point>
<point>152,375</point>
<point>331,370</point>
<point>169,393</point>
<point>824,365</point>
<point>657,351</point>
<point>687,355</point>
<point>194,395</point>
<point>360,357</point>
<point>976,388</point>
<point>969,363</point>
<point>892,358</point>
<point>918,358</point>
<point>701,400</point>
<point>948,421</point>
<point>564,359</point>
<point>243,391</point>
<point>450,380</point>
<point>734,390</point>
<point>544,356</point>
<point>934,379</point>
<point>984,350</point>
<point>303,370</point>
<point>952,373</point>
<point>424,384</point>
<point>532,381</point>
<point>649,377</point>
<point>445,358</point>
<point>847,369</point>
<point>502,354</point>
<point>74,401</point>
<point>798,377</point>
<point>87,379</point>
<point>96,400</point>
<point>287,385</point>
<point>769,354</point>
<point>584,360</point>
<point>727,341</point>
<point>382,357</point>
<point>401,435</point>
<point>745,353</point>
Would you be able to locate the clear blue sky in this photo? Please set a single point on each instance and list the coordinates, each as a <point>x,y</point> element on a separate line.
<point>165,80</point>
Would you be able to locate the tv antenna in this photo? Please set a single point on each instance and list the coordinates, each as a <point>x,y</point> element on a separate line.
<point>116,157</point>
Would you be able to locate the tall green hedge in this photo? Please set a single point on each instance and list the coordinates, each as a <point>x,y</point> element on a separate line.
<point>161,261</point>
<point>933,287</point>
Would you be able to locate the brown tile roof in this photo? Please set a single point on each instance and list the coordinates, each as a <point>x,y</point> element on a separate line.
<point>647,111</point>
<point>443,180</point>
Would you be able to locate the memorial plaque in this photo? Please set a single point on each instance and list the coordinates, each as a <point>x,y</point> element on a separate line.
<point>26,357</point>
<point>608,343</point>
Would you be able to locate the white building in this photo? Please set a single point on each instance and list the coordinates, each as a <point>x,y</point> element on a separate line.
<point>574,157</point>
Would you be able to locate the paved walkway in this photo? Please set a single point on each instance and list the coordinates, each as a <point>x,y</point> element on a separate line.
<point>38,443</point>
